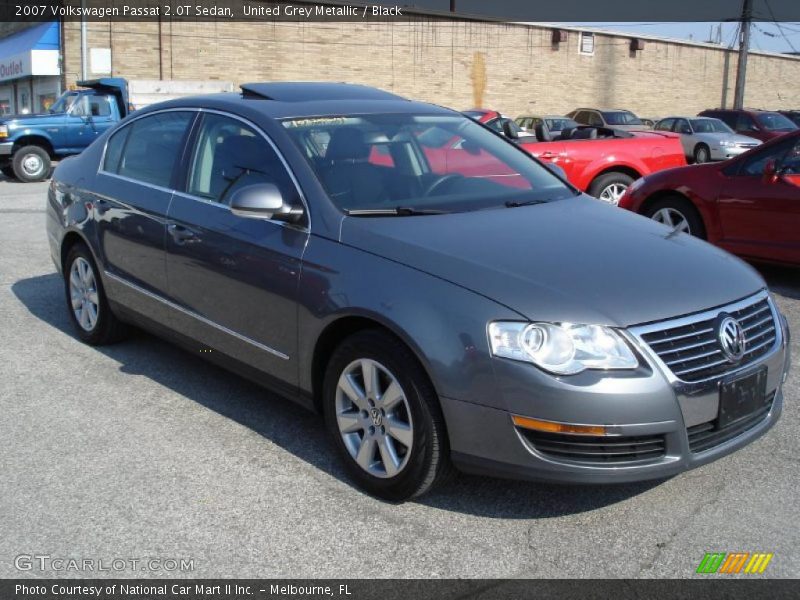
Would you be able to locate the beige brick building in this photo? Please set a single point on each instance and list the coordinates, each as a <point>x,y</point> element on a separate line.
<point>455,62</point>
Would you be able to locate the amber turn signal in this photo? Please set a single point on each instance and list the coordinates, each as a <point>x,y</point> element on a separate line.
<point>552,427</point>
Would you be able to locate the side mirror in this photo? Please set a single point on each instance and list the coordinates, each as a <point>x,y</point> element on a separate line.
<point>686,131</point>
<point>509,131</point>
<point>263,201</point>
<point>771,173</point>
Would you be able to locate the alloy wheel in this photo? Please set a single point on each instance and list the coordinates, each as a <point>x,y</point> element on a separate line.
<point>672,218</point>
<point>374,418</point>
<point>83,294</point>
<point>613,192</point>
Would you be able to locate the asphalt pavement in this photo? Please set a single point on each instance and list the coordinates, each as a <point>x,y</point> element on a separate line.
<point>143,451</point>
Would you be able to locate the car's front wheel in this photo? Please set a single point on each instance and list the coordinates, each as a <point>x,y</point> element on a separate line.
<point>678,213</point>
<point>701,154</point>
<point>31,163</point>
<point>88,306</point>
<point>384,417</point>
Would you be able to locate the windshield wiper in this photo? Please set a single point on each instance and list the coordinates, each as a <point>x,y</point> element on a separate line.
<point>398,211</point>
<point>514,204</point>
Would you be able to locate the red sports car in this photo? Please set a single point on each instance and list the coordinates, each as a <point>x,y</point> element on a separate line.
<point>597,160</point>
<point>749,205</point>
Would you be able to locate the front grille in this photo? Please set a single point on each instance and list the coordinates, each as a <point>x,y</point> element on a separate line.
<point>747,145</point>
<point>692,351</point>
<point>597,449</point>
<point>707,435</point>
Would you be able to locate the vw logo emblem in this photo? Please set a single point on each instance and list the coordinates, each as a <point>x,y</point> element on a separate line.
<point>731,338</point>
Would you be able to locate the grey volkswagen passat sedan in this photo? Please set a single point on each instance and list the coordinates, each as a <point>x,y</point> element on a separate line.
<point>440,296</point>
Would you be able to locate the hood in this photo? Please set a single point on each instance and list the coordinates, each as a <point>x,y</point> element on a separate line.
<point>577,260</point>
<point>29,117</point>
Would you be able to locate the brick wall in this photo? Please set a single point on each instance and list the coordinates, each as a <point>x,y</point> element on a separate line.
<point>510,67</point>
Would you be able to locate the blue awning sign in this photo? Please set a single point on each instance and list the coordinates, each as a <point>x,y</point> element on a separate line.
<point>32,51</point>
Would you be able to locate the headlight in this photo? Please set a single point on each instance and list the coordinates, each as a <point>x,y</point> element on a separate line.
<point>727,143</point>
<point>564,348</point>
<point>3,131</point>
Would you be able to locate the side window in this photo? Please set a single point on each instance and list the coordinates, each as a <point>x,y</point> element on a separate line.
<point>582,117</point>
<point>230,155</point>
<point>665,125</point>
<point>114,149</point>
<point>745,123</point>
<point>80,108</point>
<point>147,149</point>
<point>682,126</point>
<point>595,120</point>
<point>754,165</point>
<point>496,124</point>
<point>99,106</point>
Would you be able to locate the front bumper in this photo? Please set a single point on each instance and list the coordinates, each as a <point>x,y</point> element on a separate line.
<point>649,408</point>
<point>6,148</point>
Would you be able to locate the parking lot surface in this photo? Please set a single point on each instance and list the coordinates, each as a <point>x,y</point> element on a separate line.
<point>143,450</point>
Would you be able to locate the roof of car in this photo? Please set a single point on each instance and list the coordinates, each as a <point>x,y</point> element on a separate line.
<point>280,100</point>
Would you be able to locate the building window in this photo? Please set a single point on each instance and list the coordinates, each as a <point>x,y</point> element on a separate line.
<point>586,43</point>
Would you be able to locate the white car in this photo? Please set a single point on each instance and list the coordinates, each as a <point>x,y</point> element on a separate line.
<point>706,138</point>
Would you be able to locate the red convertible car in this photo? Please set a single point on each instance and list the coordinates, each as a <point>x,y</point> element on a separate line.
<point>597,160</point>
<point>748,205</point>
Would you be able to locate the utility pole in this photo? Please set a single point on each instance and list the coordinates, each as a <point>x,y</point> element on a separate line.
<point>744,47</point>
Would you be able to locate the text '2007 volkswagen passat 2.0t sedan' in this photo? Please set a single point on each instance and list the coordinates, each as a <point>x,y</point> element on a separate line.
<point>441,297</point>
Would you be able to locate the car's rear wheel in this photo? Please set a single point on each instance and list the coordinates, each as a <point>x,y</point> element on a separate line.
<point>678,213</point>
<point>384,416</point>
<point>88,306</point>
<point>701,154</point>
<point>31,163</point>
<point>610,187</point>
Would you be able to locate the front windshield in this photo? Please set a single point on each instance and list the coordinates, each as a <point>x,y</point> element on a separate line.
<point>437,162</point>
<point>64,103</point>
<point>775,122</point>
<point>710,126</point>
<point>621,117</point>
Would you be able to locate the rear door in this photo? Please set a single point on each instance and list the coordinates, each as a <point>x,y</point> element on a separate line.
<point>761,217</point>
<point>132,195</point>
<point>235,278</point>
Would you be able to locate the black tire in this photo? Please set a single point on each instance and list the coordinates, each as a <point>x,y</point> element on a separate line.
<point>601,187</point>
<point>682,206</point>
<point>24,161</point>
<point>8,171</point>
<point>701,154</point>
<point>107,328</point>
<point>428,460</point>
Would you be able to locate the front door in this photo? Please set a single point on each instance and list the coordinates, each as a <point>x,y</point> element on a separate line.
<point>236,277</point>
<point>760,216</point>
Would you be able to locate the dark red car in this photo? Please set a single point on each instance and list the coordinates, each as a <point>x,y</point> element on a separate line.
<point>763,125</point>
<point>749,205</point>
<point>600,161</point>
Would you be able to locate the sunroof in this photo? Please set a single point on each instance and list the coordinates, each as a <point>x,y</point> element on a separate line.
<point>309,91</point>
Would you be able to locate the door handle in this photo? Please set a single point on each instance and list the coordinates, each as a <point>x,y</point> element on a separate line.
<point>548,155</point>
<point>182,235</point>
